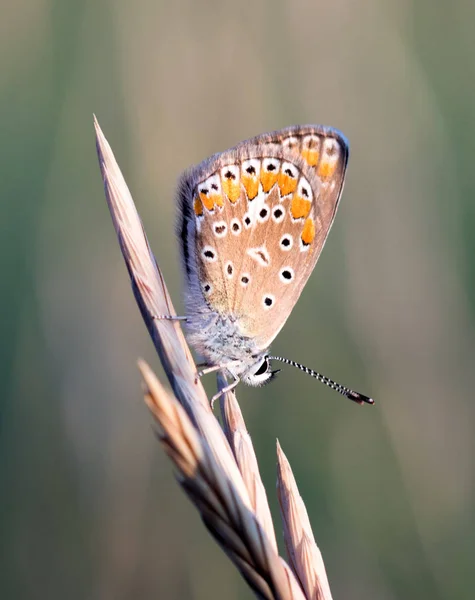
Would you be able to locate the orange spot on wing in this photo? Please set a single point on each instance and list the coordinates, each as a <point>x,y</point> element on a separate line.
<point>218,200</point>
<point>251,185</point>
<point>231,188</point>
<point>308,233</point>
<point>207,200</point>
<point>326,169</point>
<point>300,207</point>
<point>310,156</point>
<point>287,184</point>
<point>268,179</point>
<point>198,207</point>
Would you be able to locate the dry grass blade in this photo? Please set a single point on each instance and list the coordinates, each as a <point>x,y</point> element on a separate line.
<point>241,445</point>
<point>304,554</point>
<point>221,507</point>
<point>190,433</point>
<point>146,278</point>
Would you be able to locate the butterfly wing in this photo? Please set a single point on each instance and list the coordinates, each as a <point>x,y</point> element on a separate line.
<point>254,221</point>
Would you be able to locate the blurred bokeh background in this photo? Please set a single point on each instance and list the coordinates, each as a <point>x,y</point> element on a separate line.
<point>88,503</point>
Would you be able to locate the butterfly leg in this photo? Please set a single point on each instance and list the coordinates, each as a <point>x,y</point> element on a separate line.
<point>225,390</point>
<point>212,369</point>
<point>206,370</point>
<point>168,318</point>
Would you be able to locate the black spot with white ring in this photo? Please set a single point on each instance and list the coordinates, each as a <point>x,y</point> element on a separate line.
<point>220,229</point>
<point>286,275</point>
<point>235,227</point>
<point>270,165</point>
<point>286,242</point>
<point>209,254</point>
<point>263,214</point>
<point>278,214</point>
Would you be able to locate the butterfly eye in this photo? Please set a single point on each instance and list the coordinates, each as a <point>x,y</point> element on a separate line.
<point>263,368</point>
<point>262,373</point>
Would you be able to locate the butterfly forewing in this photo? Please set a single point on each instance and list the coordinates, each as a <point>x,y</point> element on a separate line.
<point>262,212</point>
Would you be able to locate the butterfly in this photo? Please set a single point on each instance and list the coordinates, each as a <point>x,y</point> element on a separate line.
<point>252,222</point>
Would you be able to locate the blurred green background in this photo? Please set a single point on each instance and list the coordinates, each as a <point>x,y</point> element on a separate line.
<point>88,503</point>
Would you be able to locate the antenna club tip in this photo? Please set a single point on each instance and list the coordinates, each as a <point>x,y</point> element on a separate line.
<point>360,398</point>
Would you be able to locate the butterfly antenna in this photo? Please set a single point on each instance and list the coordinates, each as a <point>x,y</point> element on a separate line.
<point>344,391</point>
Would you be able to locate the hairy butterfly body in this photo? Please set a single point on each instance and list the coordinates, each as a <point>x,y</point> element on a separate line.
<point>252,223</point>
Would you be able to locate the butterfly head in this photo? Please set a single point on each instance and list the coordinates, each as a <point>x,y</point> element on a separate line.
<point>259,372</point>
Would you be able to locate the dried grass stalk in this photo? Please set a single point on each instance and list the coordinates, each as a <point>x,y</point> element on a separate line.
<point>304,554</point>
<point>226,516</point>
<point>241,445</point>
<point>220,475</point>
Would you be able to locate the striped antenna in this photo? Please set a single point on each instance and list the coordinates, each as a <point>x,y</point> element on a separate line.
<point>344,391</point>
